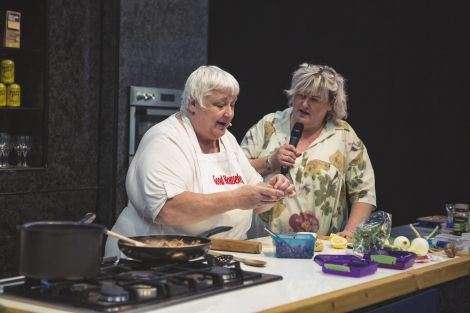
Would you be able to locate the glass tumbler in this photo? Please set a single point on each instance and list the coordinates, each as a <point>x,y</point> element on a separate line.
<point>5,146</point>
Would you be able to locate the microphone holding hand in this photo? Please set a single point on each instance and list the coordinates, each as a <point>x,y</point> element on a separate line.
<point>295,135</point>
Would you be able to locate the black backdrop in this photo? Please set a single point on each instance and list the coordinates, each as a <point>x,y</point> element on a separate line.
<point>407,68</point>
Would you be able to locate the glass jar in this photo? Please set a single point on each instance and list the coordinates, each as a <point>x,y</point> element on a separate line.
<point>14,95</point>
<point>7,71</point>
<point>3,95</point>
<point>460,218</point>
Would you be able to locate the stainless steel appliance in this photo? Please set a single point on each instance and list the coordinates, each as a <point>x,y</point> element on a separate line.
<point>149,106</point>
<point>131,285</point>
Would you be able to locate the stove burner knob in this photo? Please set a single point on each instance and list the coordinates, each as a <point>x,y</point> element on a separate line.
<point>145,291</point>
<point>79,287</point>
<point>113,293</point>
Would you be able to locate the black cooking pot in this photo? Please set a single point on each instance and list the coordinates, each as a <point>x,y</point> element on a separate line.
<point>192,248</point>
<point>60,250</point>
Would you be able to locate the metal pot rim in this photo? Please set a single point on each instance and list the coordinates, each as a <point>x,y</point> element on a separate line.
<point>58,225</point>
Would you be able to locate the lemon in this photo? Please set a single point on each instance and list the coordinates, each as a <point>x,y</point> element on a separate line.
<point>338,242</point>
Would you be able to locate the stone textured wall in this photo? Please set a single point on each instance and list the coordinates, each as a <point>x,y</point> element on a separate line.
<point>95,51</point>
<point>67,187</point>
<point>161,43</point>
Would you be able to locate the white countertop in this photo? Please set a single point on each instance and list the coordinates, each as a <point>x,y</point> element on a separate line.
<point>302,278</point>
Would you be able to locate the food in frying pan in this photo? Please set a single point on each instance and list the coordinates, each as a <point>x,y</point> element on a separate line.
<point>163,243</point>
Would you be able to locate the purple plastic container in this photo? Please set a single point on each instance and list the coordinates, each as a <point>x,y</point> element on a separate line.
<point>345,265</point>
<point>386,258</point>
<point>322,258</point>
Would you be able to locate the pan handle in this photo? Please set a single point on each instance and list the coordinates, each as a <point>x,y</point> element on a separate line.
<point>214,231</point>
<point>87,219</point>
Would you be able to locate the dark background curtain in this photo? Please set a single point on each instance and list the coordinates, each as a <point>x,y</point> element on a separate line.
<point>406,64</point>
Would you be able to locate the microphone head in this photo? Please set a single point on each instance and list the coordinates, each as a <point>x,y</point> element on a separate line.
<point>297,129</point>
<point>296,133</point>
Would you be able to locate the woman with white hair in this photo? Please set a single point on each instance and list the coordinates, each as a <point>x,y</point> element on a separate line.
<point>329,165</point>
<point>190,175</point>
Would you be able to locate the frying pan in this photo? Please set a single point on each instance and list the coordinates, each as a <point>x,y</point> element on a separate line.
<point>190,250</point>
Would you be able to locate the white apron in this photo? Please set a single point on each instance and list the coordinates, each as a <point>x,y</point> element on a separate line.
<point>215,172</point>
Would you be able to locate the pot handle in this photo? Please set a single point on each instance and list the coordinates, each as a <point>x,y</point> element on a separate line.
<point>87,219</point>
<point>214,231</point>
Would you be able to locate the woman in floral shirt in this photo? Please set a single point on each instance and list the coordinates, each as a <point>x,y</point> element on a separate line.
<point>329,166</point>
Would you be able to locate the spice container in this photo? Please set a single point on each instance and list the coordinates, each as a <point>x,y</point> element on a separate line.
<point>460,218</point>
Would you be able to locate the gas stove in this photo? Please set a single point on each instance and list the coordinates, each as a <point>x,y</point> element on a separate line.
<point>127,285</point>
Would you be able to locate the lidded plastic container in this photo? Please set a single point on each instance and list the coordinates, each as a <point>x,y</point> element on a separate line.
<point>296,246</point>
<point>386,258</point>
<point>346,265</point>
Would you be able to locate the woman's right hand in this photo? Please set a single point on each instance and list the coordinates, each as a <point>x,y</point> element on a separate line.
<point>259,196</point>
<point>284,156</point>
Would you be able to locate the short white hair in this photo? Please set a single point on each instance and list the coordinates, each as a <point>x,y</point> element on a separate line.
<point>312,80</point>
<point>203,81</point>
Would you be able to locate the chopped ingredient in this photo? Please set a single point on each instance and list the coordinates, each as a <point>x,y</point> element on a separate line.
<point>162,243</point>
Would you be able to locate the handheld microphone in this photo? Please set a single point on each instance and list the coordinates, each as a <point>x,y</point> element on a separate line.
<point>295,135</point>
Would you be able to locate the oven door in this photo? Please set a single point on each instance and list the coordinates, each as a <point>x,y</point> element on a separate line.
<point>142,119</point>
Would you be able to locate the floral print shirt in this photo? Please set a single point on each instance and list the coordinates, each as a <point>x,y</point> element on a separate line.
<point>333,169</point>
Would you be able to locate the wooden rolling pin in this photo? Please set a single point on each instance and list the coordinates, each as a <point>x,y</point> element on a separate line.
<point>245,246</point>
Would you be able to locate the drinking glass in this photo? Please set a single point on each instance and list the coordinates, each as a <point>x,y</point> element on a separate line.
<point>17,146</point>
<point>450,214</point>
<point>25,147</point>
<point>4,150</point>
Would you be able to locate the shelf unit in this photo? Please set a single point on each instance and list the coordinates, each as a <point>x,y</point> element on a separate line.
<point>30,119</point>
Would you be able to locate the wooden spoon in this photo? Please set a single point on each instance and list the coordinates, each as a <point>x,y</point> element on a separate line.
<point>90,217</point>
<point>126,239</point>
<point>249,262</point>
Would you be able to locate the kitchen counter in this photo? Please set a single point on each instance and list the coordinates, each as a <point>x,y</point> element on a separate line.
<point>305,288</point>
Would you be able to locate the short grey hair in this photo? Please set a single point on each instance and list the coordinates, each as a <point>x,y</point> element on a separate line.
<point>313,80</point>
<point>203,81</point>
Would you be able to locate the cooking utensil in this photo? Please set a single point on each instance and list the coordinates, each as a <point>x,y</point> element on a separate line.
<point>193,247</point>
<point>214,231</point>
<point>418,235</point>
<point>126,239</point>
<point>279,239</point>
<point>249,262</point>
<point>87,218</point>
<point>60,249</point>
<point>245,246</point>
<point>90,217</point>
<point>432,233</point>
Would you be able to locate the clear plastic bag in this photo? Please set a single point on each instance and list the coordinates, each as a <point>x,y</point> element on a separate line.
<point>372,234</point>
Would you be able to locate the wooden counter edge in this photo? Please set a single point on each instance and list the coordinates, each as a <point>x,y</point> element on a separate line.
<point>379,290</point>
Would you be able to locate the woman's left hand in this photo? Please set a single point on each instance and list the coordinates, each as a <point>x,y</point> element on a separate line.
<point>346,234</point>
<point>281,182</point>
